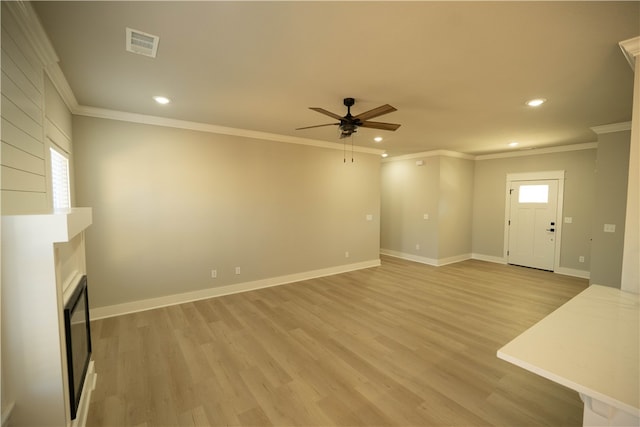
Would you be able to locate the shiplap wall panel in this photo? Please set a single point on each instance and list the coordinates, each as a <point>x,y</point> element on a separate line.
<point>18,138</point>
<point>19,180</point>
<point>19,118</point>
<point>20,160</point>
<point>23,170</point>
<point>31,107</point>
<point>57,136</point>
<point>20,79</point>
<point>17,48</point>
<point>24,200</point>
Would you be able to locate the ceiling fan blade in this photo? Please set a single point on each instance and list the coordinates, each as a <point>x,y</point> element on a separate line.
<point>380,125</point>
<point>383,109</point>
<point>317,126</point>
<point>326,113</point>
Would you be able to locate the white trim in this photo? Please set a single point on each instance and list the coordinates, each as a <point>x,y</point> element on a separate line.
<point>453,259</point>
<point>205,127</point>
<point>61,84</point>
<point>613,127</point>
<point>537,151</point>
<point>424,260</point>
<point>489,258</point>
<point>152,303</point>
<point>631,49</point>
<point>409,257</point>
<point>583,274</point>
<point>83,406</point>
<point>535,176</point>
<point>445,153</point>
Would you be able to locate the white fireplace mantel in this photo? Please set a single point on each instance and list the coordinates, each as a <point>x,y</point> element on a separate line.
<point>42,261</point>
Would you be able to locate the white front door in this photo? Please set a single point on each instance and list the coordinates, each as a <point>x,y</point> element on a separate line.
<point>532,223</point>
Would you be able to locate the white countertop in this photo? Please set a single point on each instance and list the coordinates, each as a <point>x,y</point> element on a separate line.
<point>590,344</point>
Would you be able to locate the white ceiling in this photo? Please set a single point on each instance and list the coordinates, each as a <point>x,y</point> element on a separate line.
<point>459,73</point>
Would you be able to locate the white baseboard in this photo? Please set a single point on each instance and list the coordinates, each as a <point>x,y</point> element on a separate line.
<point>423,260</point>
<point>489,258</point>
<point>409,257</point>
<point>583,274</point>
<point>6,414</point>
<point>150,304</point>
<point>561,270</point>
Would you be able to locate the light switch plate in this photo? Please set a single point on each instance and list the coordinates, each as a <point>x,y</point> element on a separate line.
<point>568,219</point>
<point>609,228</point>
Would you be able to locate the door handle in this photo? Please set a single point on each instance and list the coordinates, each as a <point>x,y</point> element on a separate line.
<point>552,230</point>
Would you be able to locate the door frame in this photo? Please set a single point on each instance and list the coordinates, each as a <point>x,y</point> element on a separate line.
<point>534,176</point>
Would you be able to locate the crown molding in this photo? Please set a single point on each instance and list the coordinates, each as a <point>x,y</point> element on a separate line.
<point>537,151</point>
<point>61,84</point>
<point>614,127</point>
<point>102,113</point>
<point>444,153</point>
<point>631,49</point>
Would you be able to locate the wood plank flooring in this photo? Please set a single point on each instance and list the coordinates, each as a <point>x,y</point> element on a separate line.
<point>403,344</point>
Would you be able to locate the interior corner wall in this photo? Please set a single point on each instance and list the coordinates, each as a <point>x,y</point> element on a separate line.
<point>579,199</point>
<point>455,208</point>
<point>612,171</point>
<point>409,192</point>
<point>170,205</point>
<point>439,187</point>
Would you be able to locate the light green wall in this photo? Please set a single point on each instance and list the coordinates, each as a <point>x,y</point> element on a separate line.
<point>170,205</point>
<point>579,197</point>
<point>456,207</point>
<point>442,188</point>
<point>612,171</point>
<point>409,192</point>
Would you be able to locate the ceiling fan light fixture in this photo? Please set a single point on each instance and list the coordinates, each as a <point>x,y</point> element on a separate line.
<point>385,155</point>
<point>378,139</point>
<point>536,102</point>
<point>514,144</point>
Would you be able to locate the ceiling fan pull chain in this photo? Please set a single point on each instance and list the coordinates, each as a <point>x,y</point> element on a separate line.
<point>351,148</point>
<point>344,152</point>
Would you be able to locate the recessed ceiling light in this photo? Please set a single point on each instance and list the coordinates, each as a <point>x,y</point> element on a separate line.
<point>385,155</point>
<point>536,102</point>
<point>377,139</point>
<point>161,100</point>
<point>513,144</point>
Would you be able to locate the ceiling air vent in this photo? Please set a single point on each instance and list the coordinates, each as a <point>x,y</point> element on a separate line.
<point>142,43</point>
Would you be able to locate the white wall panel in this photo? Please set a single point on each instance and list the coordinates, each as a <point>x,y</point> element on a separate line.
<point>18,138</point>
<point>20,160</point>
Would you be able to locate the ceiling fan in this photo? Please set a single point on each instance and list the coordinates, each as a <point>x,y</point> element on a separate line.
<point>349,124</point>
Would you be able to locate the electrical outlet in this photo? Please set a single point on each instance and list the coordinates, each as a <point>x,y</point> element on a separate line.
<point>346,254</point>
<point>609,228</point>
<point>581,258</point>
<point>417,246</point>
<point>214,274</point>
<point>369,217</point>
<point>425,216</point>
<point>237,270</point>
<point>568,220</point>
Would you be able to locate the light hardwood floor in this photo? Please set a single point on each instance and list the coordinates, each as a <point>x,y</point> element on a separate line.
<point>403,344</point>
